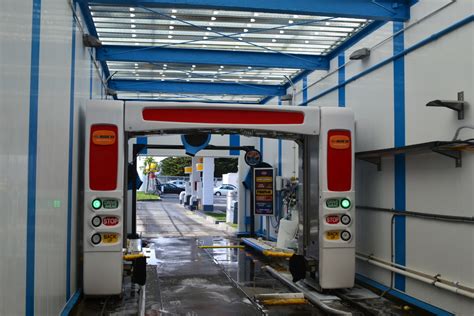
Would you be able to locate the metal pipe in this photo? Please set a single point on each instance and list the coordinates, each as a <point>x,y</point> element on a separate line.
<point>440,217</point>
<point>309,296</point>
<point>417,276</point>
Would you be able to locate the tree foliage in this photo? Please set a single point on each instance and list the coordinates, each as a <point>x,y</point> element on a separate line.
<point>225,165</point>
<point>174,166</point>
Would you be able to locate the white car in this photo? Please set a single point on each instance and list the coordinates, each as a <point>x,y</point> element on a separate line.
<point>223,189</point>
<point>178,183</point>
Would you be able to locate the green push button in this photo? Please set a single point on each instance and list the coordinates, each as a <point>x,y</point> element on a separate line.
<point>96,204</point>
<point>345,203</point>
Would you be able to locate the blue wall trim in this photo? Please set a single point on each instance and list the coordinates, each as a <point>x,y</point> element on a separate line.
<point>90,78</point>
<point>341,78</point>
<point>234,140</point>
<point>71,303</point>
<point>280,147</point>
<point>305,90</point>
<point>409,299</point>
<point>412,48</point>
<point>399,136</point>
<point>71,153</point>
<point>143,140</point>
<point>32,155</point>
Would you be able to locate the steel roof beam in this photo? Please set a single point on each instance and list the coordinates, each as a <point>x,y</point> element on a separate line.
<point>385,10</point>
<point>156,86</point>
<point>210,57</point>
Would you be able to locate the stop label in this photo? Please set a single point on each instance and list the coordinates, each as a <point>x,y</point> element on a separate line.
<point>110,221</point>
<point>332,219</point>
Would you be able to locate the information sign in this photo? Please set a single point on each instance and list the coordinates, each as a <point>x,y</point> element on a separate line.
<point>264,191</point>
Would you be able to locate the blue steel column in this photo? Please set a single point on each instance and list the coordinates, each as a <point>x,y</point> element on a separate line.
<point>32,154</point>
<point>399,133</point>
<point>71,153</point>
<point>341,80</point>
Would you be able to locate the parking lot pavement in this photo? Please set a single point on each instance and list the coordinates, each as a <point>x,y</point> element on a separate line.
<point>167,218</point>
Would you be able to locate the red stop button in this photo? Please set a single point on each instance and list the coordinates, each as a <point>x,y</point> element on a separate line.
<point>110,220</point>
<point>332,219</point>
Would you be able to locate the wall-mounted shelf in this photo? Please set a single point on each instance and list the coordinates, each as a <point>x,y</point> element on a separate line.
<point>451,149</point>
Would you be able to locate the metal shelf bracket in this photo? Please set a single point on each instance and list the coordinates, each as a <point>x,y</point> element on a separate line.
<point>455,105</point>
<point>454,154</point>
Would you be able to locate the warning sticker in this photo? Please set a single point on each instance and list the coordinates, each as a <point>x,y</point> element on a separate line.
<point>339,142</point>
<point>103,137</point>
<point>110,220</point>
<point>110,238</point>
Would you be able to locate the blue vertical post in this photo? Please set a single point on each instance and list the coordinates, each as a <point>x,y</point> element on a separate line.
<point>305,91</point>
<point>32,159</point>
<point>143,140</point>
<point>234,140</point>
<point>399,136</point>
<point>341,79</point>
<point>70,166</point>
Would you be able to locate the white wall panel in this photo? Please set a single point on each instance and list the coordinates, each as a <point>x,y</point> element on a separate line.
<point>52,157</point>
<point>371,98</point>
<point>15,54</point>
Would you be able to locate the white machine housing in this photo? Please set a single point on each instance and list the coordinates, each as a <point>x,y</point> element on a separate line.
<point>103,262</point>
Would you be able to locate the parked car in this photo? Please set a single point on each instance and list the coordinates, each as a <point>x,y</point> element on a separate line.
<point>171,188</point>
<point>178,183</point>
<point>223,189</point>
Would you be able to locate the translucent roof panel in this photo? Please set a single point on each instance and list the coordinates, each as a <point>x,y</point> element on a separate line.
<point>223,30</point>
<point>215,30</point>
<point>188,97</point>
<point>200,73</point>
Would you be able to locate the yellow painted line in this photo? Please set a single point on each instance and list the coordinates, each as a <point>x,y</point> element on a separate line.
<point>284,301</point>
<point>133,257</point>
<point>280,254</point>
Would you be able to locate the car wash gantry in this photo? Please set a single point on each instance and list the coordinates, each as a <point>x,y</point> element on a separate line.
<point>318,232</point>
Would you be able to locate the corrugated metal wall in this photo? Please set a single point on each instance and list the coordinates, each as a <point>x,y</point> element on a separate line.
<point>45,77</point>
<point>424,183</point>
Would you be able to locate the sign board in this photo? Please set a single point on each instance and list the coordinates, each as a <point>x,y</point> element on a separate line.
<point>264,191</point>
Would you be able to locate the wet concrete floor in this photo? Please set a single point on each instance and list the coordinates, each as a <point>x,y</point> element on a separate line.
<point>183,279</point>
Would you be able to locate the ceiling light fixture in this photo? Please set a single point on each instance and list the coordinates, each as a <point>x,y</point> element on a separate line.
<point>132,9</point>
<point>215,12</point>
<point>171,27</point>
<point>133,26</point>
<point>281,31</point>
<point>134,35</point>
<point>132,15</point>
<point>246,30</point>
<point>174,11</point>
<point>173,16</point>
<point>290,22</point>
<point>209,29</point>
<point>170,36</point>
<point>252,20</point>
<point>213,18</point>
